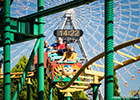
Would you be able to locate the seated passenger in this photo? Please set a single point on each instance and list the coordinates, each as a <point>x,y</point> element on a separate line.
<point>62,51</point>
<point>69,55</point>
<point>46,47</point>
<point>59,45</point>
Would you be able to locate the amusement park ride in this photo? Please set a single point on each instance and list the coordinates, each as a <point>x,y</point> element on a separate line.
<point>15,30</point>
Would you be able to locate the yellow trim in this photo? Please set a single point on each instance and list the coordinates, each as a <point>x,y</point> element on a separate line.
<point>120,63</point>
<point>86,77</point>
<point>95,79</point>
<point>92,73</point>
<point>29,81</point>
<point>67,94</point>
<point>126,55</point>
<point>98,65</point>
<point>136,46</point>
<point>19,73</point>
<point>79,87</point>
<point>84,82</point>
<point>71,90</point>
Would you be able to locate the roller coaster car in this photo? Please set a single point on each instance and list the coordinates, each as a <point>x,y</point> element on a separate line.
<point>61,72</point>
<point>64,72</point>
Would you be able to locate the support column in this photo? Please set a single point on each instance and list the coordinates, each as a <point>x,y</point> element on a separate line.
<point>20,84</point>
<point>41,53</point>
<point>68,96</point>
<point>95,90</point>
<point>50,89</point>
<point>7,43</point>
<point>108,49</point>
<point>29,89</point>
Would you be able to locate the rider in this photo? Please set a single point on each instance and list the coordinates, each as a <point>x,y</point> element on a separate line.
<point>46,46</point>
<point>69,55</point>
<point>62,51</point>
<point>59,46</point>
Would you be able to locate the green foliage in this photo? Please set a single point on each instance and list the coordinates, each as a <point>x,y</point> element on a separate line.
<point>79,95</point>
<point>19,67</point>
<point>116,86</point>
<point>34,90</point>
<point>1,89</point>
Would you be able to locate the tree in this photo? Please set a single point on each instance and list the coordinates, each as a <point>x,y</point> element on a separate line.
<point>116,86</point>
<point>79,95</point>
<point>1,89</point>
<point>19,67</point>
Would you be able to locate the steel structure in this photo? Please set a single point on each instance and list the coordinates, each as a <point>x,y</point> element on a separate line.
<point>39,44</point>
<point>35,24</point>
<point>68,18</point>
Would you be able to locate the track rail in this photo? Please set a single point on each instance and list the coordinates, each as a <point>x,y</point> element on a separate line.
<point>101,55</point>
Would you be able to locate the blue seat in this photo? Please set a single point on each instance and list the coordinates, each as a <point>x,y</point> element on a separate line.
<point>55,58</point>
<point>53,54</point>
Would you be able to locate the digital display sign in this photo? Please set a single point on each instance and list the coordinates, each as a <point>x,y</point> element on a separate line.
<point>68,33</point>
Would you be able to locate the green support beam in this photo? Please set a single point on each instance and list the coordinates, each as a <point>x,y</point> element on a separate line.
<point>57,9</point>
<point>20,84</point>
<point>29,92</point>
<point>41,53</point>
<point>95,87</point>
<point>67,98</point>
<point>29,89</point>
<point>7,43</point>
<point>108,49</point>
<point>50,89</point>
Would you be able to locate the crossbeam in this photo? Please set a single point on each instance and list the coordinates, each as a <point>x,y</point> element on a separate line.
<point>18,77</point>
<point>86,77</point>
<point>136,46</point>
<point>120,63</point>
<point>79,87</point>
<point>71,90</point>
<point>84,82</point>
<point>18,73</point>
<point>98,65</point>
<point>57,9</point>
<point>126,55</point>
<point>92,73</point>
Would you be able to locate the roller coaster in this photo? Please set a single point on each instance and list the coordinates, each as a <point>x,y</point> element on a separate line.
<point>84,72</point>
<point>76,76</point>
